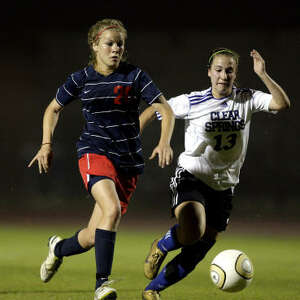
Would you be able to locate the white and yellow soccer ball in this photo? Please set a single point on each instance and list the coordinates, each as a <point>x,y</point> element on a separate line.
<point>231,270</point>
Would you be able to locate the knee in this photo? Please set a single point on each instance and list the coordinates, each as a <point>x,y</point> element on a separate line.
<point>192,222</point>
<point>91,239</point>
<point>191,231</point>
<point>197,233</point>
<point>113,214</point>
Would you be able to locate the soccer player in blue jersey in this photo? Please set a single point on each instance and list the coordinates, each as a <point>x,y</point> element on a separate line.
<point>109,148</point>
<point>217,122</point>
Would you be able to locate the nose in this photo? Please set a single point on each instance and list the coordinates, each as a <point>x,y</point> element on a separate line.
<point>115,47</point>
<point>224,75</point>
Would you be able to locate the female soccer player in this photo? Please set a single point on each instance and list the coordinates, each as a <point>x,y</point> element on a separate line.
<point>109,149</point>
<point>217,122</point>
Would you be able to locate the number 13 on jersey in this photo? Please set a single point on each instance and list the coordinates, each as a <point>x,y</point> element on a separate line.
<point>225,142</point>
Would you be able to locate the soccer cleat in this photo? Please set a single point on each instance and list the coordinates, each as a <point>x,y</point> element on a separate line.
<point>52,262</point>
<point>150,295</point>
<point>105,292</point>
<point>153,261</point>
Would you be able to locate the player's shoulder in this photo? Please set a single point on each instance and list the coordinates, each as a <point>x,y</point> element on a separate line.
<point>191,96</point>
<point>79,77</point>
<point>243,90</point>
<point>198,97</point>
<point>127,68</point>
<point>200,94</point>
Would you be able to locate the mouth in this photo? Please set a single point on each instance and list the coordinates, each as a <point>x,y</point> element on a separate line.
<point>115,58</point>
<point>223,83</point>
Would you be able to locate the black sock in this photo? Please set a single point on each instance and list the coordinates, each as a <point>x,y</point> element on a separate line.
<point>68,247</point>
<point>104,252</point>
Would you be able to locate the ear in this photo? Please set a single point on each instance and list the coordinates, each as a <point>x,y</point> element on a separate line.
<point>209,72</point>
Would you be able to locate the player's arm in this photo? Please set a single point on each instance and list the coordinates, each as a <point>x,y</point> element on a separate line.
<point>44,155</point>
<point>163,149</point>
<point>146,117</point>
<point>279,100</point>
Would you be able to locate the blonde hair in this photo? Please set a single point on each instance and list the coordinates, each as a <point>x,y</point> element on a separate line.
<point>97,29</point>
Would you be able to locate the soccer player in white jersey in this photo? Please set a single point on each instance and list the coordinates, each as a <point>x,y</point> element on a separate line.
<point>109,148</point>
<point>217,122</point>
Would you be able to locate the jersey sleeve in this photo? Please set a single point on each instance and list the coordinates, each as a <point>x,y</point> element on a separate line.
<point>146,88</point>
<point>180,106</point>
<point>260,101</point>
<point>70,90</point>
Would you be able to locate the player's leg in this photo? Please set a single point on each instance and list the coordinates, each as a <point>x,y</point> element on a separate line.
<point>180,266</point>
<point>218,206</point>
<point>190,225</point>
<point>160,247</point>
<point>83,240</point>
<point>190,216</point>
<point>158,251</point>
<point>190,256</point>
<point>191,220</point>
<point>106,197</point>
<point>86,236</point>
<point>79,243</point>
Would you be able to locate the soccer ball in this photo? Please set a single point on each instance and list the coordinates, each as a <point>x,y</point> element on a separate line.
<point>231,270</point>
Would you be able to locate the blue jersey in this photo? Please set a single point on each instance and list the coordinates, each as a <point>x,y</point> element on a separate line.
<point>110,106</point>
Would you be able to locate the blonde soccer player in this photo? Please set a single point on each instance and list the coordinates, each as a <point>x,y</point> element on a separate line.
<point>109,149</point>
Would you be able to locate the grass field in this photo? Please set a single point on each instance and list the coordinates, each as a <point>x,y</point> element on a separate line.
<point>276,261</point>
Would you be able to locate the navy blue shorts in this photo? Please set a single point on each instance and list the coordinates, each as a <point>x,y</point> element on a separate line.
<point>184,186</point>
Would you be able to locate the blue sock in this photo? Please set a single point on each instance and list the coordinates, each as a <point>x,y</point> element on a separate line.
<point>169,242</point>
<point>68,247</point>
<point>170,274</point>
<point>104,253</point>
<point>181,265</point>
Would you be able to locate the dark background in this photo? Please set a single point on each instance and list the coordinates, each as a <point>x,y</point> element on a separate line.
<point>43,42</point>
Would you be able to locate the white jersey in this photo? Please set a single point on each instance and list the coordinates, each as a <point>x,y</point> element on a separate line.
<point>217,132</point>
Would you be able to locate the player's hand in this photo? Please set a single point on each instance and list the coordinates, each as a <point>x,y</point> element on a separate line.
<point>43,158</point>
<point>165,155</point>
<point>258,63</point>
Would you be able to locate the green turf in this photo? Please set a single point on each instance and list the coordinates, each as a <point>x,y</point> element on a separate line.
<point>275,258</point>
